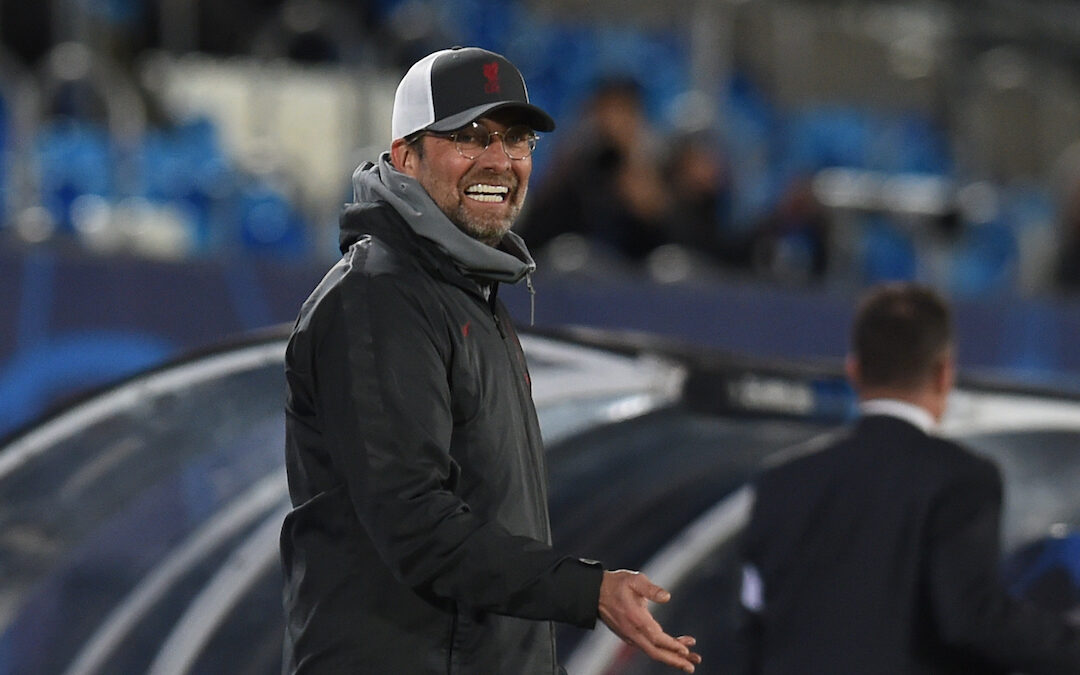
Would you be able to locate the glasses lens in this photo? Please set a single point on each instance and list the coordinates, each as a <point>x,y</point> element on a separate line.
<point>472,140</point>
<point>519,142</point>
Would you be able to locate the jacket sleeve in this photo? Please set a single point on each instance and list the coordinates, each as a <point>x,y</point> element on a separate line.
<point>973,612</point>
<point>383,383</point>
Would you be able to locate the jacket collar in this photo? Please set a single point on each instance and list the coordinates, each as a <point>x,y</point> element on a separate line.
<point>902,410</point>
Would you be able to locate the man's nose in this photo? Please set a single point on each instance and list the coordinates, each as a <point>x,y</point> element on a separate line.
<point>495,156</point>
<point>502,140</point>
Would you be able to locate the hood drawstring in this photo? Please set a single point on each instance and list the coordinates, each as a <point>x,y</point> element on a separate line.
<point>532,298</point>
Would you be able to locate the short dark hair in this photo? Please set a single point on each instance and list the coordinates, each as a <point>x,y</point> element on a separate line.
<point>900,334</point>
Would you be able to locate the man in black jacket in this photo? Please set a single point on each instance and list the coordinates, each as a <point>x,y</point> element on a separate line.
<point>877,551</point>
<point>419,540</point>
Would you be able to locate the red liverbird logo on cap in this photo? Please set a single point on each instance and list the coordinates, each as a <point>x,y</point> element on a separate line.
<point>491,73</point>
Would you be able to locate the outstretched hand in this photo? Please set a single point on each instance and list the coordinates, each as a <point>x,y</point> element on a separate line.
<point>624,597</point>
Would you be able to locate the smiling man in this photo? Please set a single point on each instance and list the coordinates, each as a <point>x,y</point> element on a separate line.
<point>419,539</point>
<point>480,192</point>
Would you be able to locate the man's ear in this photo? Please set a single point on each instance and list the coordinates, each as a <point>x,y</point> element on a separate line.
<point>404,157</point>
<point>851,369</point>
<point>945,373</point>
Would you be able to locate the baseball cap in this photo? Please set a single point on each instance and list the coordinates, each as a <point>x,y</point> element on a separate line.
<point>450,88</point>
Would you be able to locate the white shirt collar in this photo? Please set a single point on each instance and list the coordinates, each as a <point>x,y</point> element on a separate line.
<point>909,412</point>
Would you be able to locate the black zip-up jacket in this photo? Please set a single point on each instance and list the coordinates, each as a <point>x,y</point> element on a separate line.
<point>419,540</point>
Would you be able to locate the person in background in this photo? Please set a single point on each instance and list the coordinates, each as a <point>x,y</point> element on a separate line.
<point>1067,272</point>
<point>877,551</point>
<point>792,242</point>
<point>605,182</point>
<point>419,540</point>
<point>699,179</point>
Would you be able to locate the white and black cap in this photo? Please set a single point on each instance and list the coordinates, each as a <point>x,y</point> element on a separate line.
<point>452,87</point>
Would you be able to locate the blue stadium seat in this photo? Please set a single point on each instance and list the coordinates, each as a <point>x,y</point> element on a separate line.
<point>269,224</point>
<point>910,143</point>
<point>750,123</point>
<point>117,12</point>
<point>888,254</point>
<point>827,136</point>
<point>488,23</point>
<point>74,158</point>
<point>186,165</point>
<point>824,136</point>
<point>984,261</point>
<point>1027,206</point>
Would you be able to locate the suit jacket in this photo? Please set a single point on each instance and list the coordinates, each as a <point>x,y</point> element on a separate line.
<point>878,554</point>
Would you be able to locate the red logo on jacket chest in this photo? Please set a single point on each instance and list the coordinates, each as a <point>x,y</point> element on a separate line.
<point>491,74</point>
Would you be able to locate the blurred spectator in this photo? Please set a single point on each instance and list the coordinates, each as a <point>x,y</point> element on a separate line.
<point>226,27</point>
<point>605,181</point>
<point>26,29</point>
<point>1068,263</point>
<point>75,84</point>
<point>312,31</point>
<point>700,188</point>
<point>792,242</point>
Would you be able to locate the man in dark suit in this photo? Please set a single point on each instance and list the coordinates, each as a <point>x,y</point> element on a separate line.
<point>876,551</point>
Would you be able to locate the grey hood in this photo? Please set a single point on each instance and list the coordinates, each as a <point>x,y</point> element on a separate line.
<point>382,182</point>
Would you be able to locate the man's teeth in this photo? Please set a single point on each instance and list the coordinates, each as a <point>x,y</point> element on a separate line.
<point>487,193</point>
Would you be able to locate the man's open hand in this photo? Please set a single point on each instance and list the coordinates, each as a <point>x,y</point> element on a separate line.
<point>624,597</point>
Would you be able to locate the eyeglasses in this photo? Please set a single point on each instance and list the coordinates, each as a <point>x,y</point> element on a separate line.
<point>473,139</point>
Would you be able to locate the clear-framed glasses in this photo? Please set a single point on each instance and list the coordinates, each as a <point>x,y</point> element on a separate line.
<point>473,139</point>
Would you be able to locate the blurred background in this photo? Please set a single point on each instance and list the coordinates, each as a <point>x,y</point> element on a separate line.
<point>728,173</point>
<point>726,177</point>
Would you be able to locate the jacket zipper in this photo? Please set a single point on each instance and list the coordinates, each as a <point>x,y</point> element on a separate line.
<point>498,322</point>
<point>517,359</point>
<point>532,298</point>
<point>539,477</point>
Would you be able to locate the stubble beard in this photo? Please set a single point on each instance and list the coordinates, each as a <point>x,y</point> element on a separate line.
<point>489,229</point>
